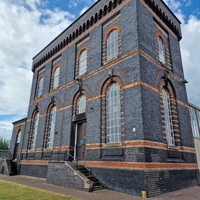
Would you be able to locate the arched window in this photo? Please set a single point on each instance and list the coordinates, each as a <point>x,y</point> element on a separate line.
<point>40,86</point>
<point>18,139</point>
<point>33,132</point>
<point>19,136</point>
<point>56,77</point>
<point>161,50</point>
<point>81,104</point>
<point>51,127</point>
<point>113,116</point>
<point>168,117</point>
<point>83,62</point>
<point>112,45</point>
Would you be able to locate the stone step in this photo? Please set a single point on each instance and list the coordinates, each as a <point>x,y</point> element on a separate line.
<point>96,184</point>
<point>98,188</point>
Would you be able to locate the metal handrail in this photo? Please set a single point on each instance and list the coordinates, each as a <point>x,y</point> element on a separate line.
<point>60,152</point>
<point>70,155</point>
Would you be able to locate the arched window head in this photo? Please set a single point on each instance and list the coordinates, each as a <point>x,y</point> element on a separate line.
<point>168,117</point>
<point>56,78</point>
<point>40,86</point>
<point>81,104</point>
<point>161,50</point>
<point>113,116</point>
<point>83,62</point>
<point>34,132</point>
<point>51,127</point>
<point>112,45</point>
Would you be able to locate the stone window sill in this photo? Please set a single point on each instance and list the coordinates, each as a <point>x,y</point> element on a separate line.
<point>111,60</point>
<point>31,151</point>
<point>48,149</point>
<point>116,144</point>
<point>173,147</point>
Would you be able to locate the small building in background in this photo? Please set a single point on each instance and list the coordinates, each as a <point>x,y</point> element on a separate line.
<point>195,122</point>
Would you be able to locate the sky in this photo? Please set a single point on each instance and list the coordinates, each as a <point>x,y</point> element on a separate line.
<point>27,26</point>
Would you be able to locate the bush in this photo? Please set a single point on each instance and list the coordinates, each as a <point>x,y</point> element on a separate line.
<point>4,144</point>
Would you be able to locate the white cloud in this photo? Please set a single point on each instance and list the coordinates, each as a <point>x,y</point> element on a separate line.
<point>83,10</point>
<point>72,3</point>
<point>76,3</point>
<point>174,4</point>
<point>5,130</point>
<point>191,59</point>
<point>23,24</point>
<point>189,47</point>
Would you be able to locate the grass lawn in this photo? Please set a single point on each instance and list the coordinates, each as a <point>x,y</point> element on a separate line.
<point>13,191</point>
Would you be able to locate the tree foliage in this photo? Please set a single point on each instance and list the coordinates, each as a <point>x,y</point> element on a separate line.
<point>4,144</point>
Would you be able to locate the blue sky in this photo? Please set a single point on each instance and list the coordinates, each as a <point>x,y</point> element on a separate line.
<point>27,26</point>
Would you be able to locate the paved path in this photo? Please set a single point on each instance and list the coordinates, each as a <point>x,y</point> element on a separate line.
<point>185,194</point>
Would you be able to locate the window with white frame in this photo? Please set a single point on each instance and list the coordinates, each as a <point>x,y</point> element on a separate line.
<point>83,62</point>
<point>81,104</point>
<point>198,118</point>
<point>56,78</point>
<point>33,135</point>
<point>168,117</point>
<point>40,86</point>
<point>195,117</point>
<point>113,116</point>
<point>161,51</point>
<point>51,127</point>
<point>18,137</point>
<point>112,45</point>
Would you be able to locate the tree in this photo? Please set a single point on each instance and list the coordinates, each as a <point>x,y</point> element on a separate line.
<point>4,144</point>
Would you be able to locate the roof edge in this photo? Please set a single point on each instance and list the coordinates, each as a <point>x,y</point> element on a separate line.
<point>66,28</point>
<point>171,11</point>
<point>19,121</point>
<point>194,106</point>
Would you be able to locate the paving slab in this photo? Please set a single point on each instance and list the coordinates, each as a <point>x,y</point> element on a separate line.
<point>192,193</point>
<point>83,195</point>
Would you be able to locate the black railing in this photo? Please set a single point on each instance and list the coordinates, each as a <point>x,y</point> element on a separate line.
<point>61,156</point>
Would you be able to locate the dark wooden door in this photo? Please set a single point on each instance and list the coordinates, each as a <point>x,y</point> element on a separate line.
<point>80,146</point>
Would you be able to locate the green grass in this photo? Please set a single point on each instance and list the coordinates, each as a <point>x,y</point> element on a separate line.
<point>13,191</point>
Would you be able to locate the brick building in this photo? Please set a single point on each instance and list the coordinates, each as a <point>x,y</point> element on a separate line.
<point>195,122</point>
<point>110,91</point>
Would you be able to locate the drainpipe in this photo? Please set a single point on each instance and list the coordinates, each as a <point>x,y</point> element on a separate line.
<point>61,135</point>
<point>75,142</point>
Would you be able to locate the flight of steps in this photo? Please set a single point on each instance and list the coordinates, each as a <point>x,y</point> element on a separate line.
<point>96,184</point>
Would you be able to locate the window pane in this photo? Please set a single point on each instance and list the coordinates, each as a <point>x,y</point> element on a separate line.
<point>19,136</point>
<point>194,122</point>
<point>168,117</point>
<point>83,62</point>
<point>161,50</point>
<point>56,78</point>
<point>198,120</point>
<point>81,104</point>
<point>40,87</point>
<point>34,132</point>
<point>113,118</point>
<point>112,45</point>
<point>52,122</point>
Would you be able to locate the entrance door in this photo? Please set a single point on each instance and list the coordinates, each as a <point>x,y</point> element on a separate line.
<point>80,146</point>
